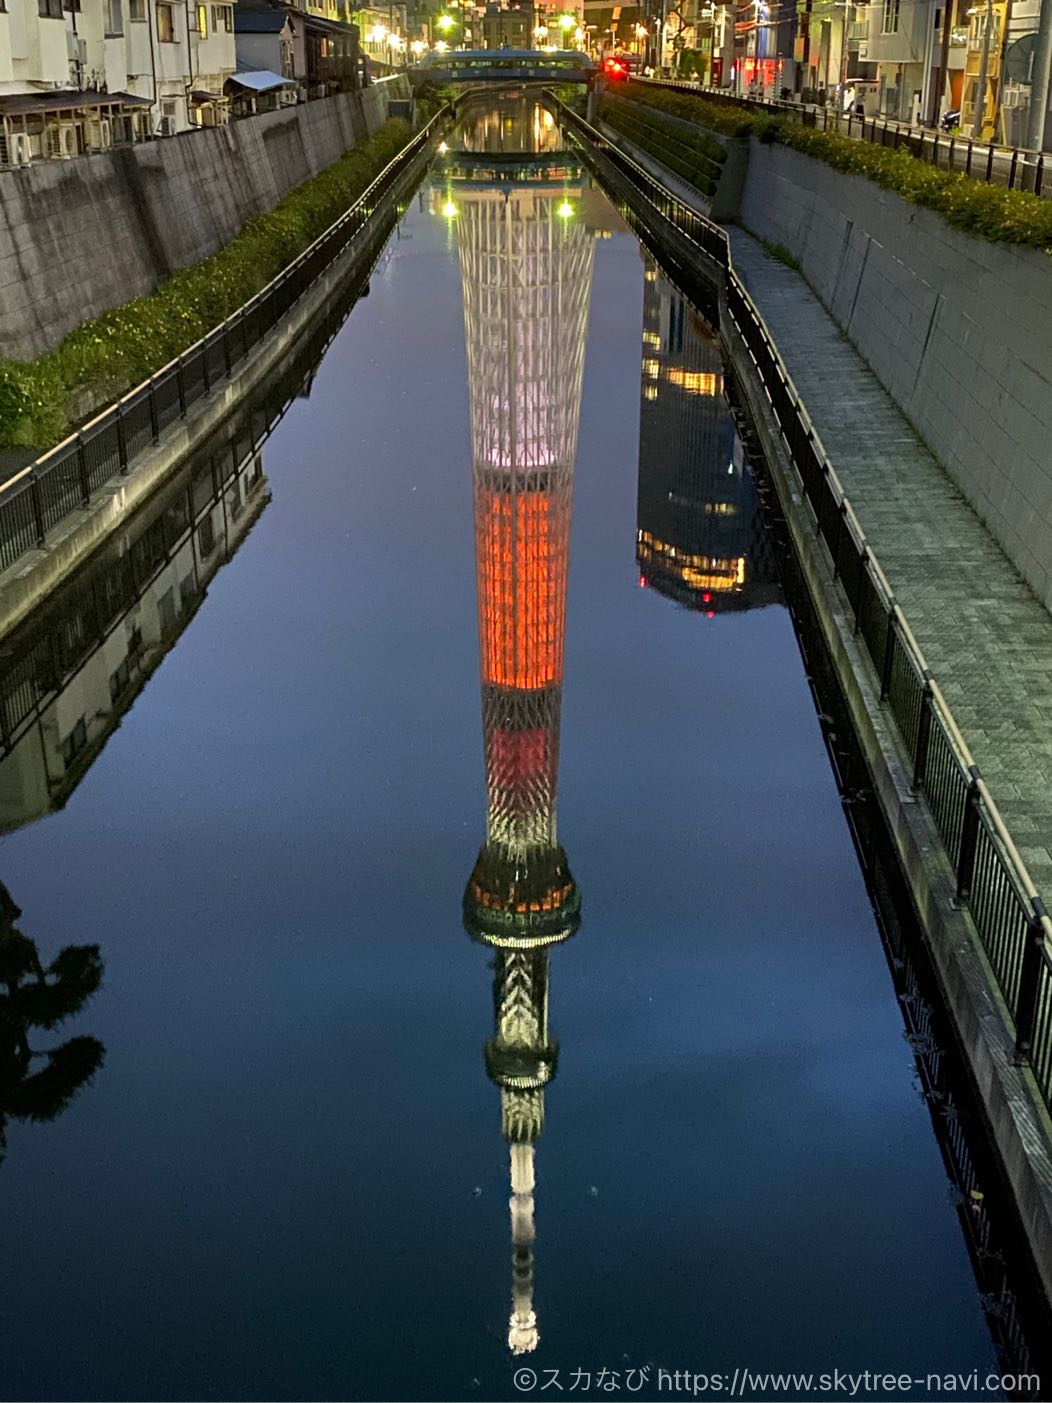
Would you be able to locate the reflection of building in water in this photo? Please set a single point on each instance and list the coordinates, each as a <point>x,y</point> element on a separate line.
<point>526,268</point>
<point>700,533</point>
<point>518,126</point>
<point>75,667</point>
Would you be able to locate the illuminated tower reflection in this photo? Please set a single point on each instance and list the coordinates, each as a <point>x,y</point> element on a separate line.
<point>526,258</point>
<point>700,535</point>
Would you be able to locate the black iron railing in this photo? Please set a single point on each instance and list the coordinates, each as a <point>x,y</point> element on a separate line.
<point>991,877</point>
<point>41,496</point>
<point>996,165</point>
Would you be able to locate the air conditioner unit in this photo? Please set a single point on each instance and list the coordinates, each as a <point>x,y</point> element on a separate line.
<point>1012,97</point>
<point>21,152</point>
<point>67,136</point>
<point>166,126</point>
<point>105,133</point>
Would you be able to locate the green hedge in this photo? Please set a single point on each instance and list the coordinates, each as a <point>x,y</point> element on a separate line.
<point>106,357</point>
<point>991,211</point>
<point>695,157</point>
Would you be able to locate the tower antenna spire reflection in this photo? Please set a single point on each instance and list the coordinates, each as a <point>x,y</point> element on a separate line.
<point>526,270</point>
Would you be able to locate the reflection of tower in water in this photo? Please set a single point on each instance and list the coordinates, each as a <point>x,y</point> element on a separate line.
<point>700,535</point>
<point>526,269</point>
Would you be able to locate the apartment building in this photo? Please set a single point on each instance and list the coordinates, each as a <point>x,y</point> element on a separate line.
<point>81,75</point>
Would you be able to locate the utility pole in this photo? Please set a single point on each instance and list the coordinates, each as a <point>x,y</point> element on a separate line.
<point>1039,80</point>
<point>939,86</point>
<point>984,64</point>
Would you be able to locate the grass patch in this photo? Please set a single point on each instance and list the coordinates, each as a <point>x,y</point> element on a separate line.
<point>109,355</point>
<point>782,254</point>
<point>989,211</point>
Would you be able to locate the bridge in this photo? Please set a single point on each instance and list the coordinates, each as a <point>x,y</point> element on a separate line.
<point>503,66</point>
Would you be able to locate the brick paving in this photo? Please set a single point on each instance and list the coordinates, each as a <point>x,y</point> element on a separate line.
<point>986,637</point>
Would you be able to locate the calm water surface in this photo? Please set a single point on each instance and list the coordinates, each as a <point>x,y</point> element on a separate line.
<point>291,1176</point>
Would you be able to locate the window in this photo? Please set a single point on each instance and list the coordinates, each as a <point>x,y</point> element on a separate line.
<point>119,680</point>
<point>165,24</point>
<point>166,610</point>
<point>890,18</point>
<point>137,9</point>
<point>114,18</point>
<point>202,21</point>
<point>222,18</point>
<point>206,537</point>
<point>74,743</point>
<point>49,9</point>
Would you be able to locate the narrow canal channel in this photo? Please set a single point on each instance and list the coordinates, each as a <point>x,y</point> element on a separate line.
<point>673,1042</point>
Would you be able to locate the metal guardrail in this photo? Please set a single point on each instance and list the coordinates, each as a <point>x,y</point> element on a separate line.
<point>996,165</point>
<point>42,495</point>
<point>992,881</point>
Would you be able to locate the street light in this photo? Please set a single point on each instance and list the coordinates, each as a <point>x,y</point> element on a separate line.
<point>445,23</point>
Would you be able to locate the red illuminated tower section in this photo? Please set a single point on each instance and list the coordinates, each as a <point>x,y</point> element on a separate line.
<point>526,266</point>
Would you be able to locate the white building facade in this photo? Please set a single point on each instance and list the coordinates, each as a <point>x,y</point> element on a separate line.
<point>81,75</point>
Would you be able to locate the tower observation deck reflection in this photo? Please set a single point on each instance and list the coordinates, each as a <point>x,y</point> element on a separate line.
<point>526,258</point>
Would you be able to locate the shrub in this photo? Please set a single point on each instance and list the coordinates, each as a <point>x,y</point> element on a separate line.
<point>107,356</point>
<point>990,211</point>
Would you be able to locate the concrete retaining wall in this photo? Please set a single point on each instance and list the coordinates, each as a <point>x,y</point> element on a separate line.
<point>957,329</point>
<point>80,236</point>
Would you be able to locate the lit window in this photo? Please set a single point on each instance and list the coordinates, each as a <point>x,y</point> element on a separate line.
<point>165,24</point>
<point>202,21</point>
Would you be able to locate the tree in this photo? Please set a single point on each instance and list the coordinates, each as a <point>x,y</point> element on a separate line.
<point>40,1084</point>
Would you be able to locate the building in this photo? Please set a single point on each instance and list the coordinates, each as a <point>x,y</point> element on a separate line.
<point>315,44</point>
<point>930,59</point>
<point>81,75</point>
<point>508,25</point>
<point>700,537</point>
<point>519,242</point>
<point>265,40</point>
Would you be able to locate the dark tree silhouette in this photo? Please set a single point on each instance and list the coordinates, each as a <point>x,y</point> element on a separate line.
<point>39,1084</point>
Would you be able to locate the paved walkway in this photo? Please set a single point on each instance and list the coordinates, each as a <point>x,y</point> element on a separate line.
<point>987,639</point>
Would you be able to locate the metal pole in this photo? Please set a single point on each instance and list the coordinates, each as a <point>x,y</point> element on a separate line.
<point>929,48</point>
<point>939,86</point>
<point>1039,80</point>
<point>984,64</point>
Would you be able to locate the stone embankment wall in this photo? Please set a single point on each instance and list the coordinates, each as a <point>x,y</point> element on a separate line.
<point>957,329</point>
<point>80,236</point>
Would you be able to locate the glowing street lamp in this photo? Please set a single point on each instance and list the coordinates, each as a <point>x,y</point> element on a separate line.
<point>445,23</point>
<point>418,46</point>
<point>567,22</point>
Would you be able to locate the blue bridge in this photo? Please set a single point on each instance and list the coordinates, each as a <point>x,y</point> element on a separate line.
<point>504,65</point>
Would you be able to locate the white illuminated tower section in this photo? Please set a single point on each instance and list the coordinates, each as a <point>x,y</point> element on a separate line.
<point>526,267</point>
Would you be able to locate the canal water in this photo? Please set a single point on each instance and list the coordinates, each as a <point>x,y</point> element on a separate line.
<point>401,1083</point>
